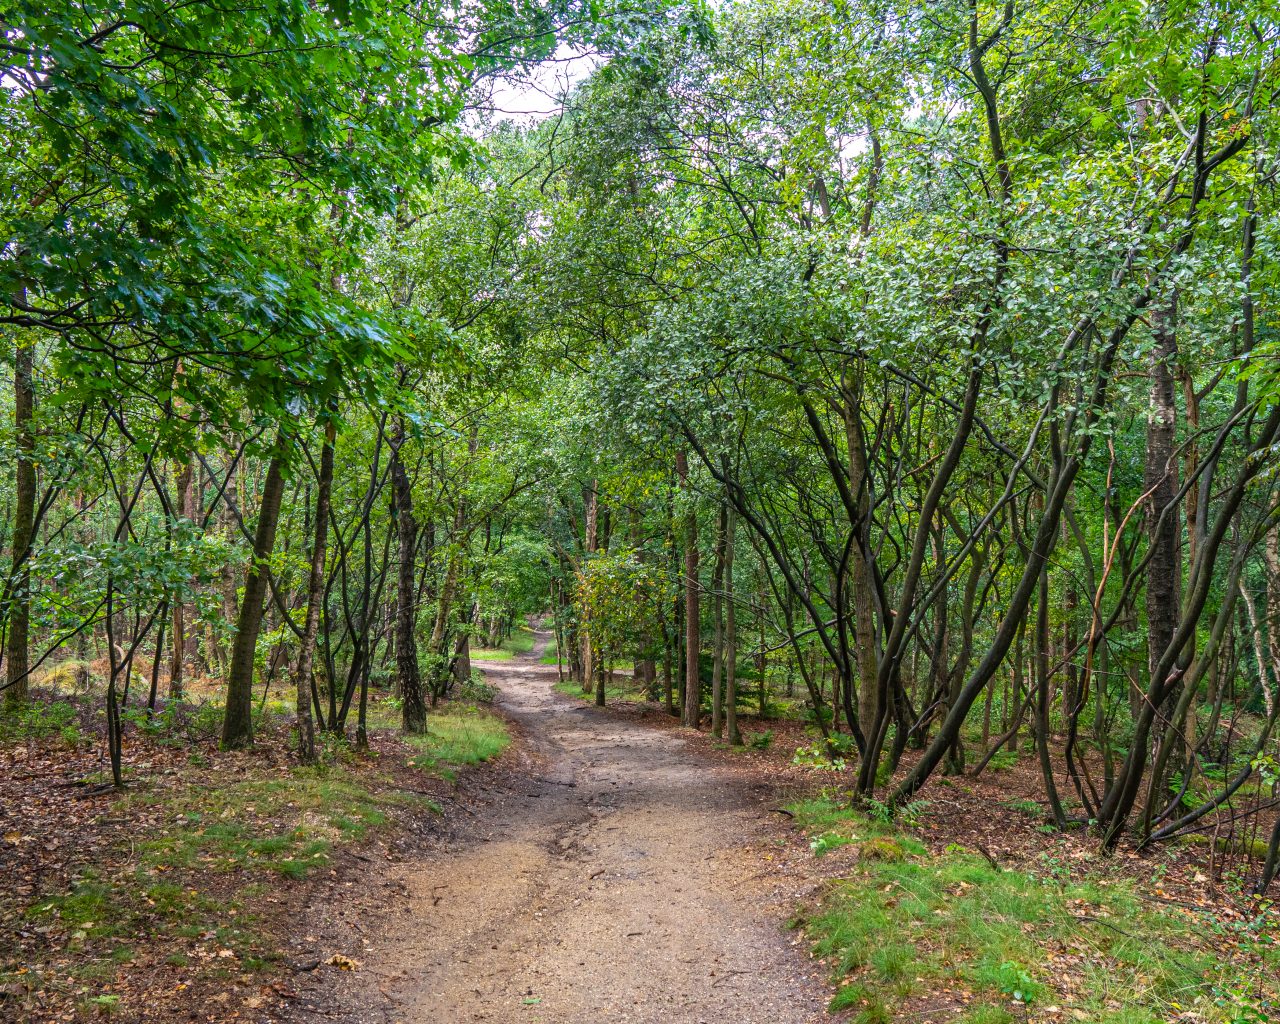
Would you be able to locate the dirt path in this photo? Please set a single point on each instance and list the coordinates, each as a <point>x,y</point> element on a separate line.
<point>610,888</point>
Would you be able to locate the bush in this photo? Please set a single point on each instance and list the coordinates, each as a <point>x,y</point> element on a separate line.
<point>38,720</point>
<point>762,740</point>
<point>476,691</point>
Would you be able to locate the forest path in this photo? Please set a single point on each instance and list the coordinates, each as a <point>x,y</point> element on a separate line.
<point>610,888</point>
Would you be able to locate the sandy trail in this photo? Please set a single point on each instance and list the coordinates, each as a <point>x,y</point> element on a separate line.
<point>609,889</point>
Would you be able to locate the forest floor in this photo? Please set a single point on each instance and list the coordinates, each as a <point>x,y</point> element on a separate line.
<point>609,865</point>
<point>969,907</point>
<point>174,899</point>
<point>617,875</point>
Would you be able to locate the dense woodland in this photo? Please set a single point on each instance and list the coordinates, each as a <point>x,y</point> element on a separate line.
<point>908,368</point>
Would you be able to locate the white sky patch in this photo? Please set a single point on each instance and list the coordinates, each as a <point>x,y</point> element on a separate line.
<point>539,93</point>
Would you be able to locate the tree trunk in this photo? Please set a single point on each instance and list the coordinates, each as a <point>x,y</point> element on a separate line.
<point>413,712</point>
<point>237,722</point>
<point>691,709</point>
<point>861,584</point>
<point>315,595</point>
<point>178,658</point>
<point>717,627</point>
<point>1160,482</point>
<point>462,660</point>
<point>1042,702</point>
<point>590,541</point>
<point>730,636</point>
<point>18,641</point>
<point>1271,866</point>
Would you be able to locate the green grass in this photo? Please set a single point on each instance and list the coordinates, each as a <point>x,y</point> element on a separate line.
<point>622,689</point>
<point>901,927</point>
<point>519,642</point>
<point>286,825</point>
<point>96,914</point>
<point>254,830</point>
<point>460,735</point>
<point>38,719</point>
<point>249,831</point>
<point>549,658</point>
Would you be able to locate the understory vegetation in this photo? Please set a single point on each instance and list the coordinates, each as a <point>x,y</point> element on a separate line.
<point>894,385</point>
<point>907,926</point>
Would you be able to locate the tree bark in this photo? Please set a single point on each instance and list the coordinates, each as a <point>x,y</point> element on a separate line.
<point>1160,483</point>
<point>237,722</point>
<point>413,711</point>
<point>591,538</point>
<point>730,636</point>
<point>861,585</point>
<point>184,502</point>
<point>717,626</point>
<point>691,709</point>
<point>18,642</point>
<point>315,595</point>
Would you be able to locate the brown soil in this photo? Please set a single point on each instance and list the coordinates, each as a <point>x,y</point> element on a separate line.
<point>619,875</point>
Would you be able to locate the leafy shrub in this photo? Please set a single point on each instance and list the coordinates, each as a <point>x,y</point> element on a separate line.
<point>37,720</point>
<point>762,740</point>
<point>203,722</point>
<point>476,691</point>
<point>1003,760</point>
<point>1028,808</point>
<point>818,756</point>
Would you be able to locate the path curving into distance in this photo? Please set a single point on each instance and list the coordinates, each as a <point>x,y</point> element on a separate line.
<point>608,887</point>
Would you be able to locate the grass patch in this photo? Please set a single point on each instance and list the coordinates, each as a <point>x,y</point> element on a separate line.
<point>549,658</point>
<point>95,915</point>
<point>519,642</point>
<point>621,664</point>
<point>38,719</point>
<point>285,825</point>
<point>623,688</point>
<point>459,735</point>
<point>1015,940</point>
<point>255,830</point>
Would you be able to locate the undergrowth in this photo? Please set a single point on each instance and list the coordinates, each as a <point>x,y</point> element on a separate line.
<point>460,735</point>
<point>1009,945</point>
<point>521,641</point>
<point>287,825</point>
<point>247,831</point>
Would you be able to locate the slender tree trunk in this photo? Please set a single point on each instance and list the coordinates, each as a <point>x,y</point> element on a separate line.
<point>155,662</point>
<point>1160,482</point>
<point>672,660</point>
<point>18,641</point>
<point>237,722</point>
<point>861,584</point>
<point>717,626</point>
<point>591,541</point>
<point>1043,695</point>
<point>315,595</point>
<point>730,636</point>
<point>178,658</point>
<point>413,710</point>
<point>691,711</point>
<point>462,660</point>
<point>1271,866</point>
